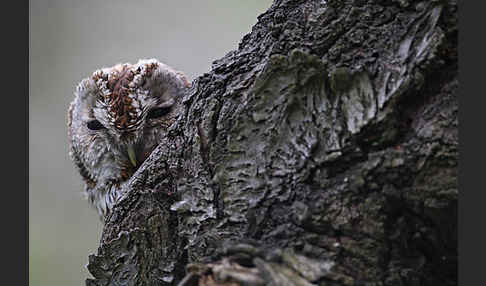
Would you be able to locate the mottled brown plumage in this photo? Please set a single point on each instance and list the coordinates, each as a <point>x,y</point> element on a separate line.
<point>116,119</point>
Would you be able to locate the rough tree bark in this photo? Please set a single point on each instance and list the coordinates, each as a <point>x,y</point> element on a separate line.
<point>323,151</point>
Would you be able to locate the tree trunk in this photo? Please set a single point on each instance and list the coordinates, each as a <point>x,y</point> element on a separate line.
<point>324,151</point>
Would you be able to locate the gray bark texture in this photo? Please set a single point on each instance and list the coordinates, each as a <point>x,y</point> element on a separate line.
<point>323,151</point>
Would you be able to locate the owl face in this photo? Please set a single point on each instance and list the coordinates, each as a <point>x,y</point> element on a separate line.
<point>118,117</point>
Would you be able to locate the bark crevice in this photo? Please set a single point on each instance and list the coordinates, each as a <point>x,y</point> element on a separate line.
<point>322,152</point>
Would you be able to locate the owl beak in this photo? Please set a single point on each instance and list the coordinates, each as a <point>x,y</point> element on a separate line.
<point>132,156</point>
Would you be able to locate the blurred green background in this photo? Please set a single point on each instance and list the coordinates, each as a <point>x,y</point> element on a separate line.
<point>69,39</point>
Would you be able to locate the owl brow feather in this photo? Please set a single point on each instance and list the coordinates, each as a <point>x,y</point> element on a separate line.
<point>120,104</point>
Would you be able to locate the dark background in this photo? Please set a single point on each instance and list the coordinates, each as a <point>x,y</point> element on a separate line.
<point>68,40</point>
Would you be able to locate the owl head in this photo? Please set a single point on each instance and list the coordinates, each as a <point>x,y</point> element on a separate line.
<point>119,115</point>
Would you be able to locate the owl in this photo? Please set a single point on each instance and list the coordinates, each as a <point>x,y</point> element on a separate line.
<point>117,118</point>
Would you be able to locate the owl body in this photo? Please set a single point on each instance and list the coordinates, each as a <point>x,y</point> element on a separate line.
<point>117,118</point>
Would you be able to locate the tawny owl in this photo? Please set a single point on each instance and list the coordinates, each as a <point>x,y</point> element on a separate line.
<point>115,121</point>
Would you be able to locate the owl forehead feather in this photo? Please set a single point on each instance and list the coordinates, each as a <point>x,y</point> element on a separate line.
<point>122,91</point>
